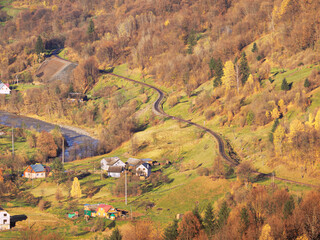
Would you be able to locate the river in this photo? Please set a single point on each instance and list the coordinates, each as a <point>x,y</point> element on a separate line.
<point>79,145</point>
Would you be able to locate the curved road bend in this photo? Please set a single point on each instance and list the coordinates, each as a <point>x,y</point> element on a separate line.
<point>159,111</point>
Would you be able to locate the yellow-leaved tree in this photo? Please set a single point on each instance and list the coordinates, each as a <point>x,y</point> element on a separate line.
<point>266,233</point>
<point>278,138</point>
<point>229,75</point>
<point>268,114</point>
<point>310,121</point>
<point>303,237</point>
<point>282,106</point>
<point>283,7</point>
<point>275,113</point>
<point>295,127</point>
<point>75,189</point>
<point>317,121</point>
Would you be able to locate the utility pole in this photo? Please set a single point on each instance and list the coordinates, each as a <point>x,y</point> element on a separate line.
<point>273,178</point>
<point>12,144</point>
<point>62,150</point>
<point>126,188</point>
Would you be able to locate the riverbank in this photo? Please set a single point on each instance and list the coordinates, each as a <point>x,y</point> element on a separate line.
<point>80,143</point>
<point>60,122</point>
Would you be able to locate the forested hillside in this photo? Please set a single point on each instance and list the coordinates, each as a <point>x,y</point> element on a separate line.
<point>173,40</point>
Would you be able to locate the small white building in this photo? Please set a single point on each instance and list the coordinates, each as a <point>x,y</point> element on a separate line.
<point>4,88</point>
<point>143,170</point>
<point>4,220</point>
<point>111,162</point>
<point>115,171</point>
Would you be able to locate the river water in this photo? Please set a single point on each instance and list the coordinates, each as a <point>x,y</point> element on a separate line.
<point>79,146</point>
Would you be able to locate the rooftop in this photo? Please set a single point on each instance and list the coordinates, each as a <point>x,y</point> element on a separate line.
<point>146,165</point>
<point>115,169</point>
<point>1,209</point>
<point>111,160</point>
<point>105,207</point>
<point>37,167</point>
<point>133,161</point>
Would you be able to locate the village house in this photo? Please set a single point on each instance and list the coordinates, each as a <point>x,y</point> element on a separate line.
<point>107,211</point>
<point>150,161</point>
<point>133,162</point>
<point>102,210</point>
<point>143,169</point>
<point>90,209</point>
<point>115,171</point>
<point>36,171</point>
<point>111,162</point>
<point>4,88</point>
<point>4,220</point>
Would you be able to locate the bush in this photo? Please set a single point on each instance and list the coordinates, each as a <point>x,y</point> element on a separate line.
<point>245,170</point>
<point>306,83</point>
<point>285,86</point>
<point>203,171</point>
<point>209,114</point>
<point>43,205</point>
<point>99,225</point>
<point>172,101</point>
<point>250,118</point>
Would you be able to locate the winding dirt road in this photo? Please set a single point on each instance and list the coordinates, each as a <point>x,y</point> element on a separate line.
<point>157,109</point>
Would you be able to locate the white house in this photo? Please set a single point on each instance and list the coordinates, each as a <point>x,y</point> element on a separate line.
<point>36,171</point>
<point>4,88</point>
<point>4,220</point>
<point>143,170</point>
<point>111,162</point>
<point>115,171</point>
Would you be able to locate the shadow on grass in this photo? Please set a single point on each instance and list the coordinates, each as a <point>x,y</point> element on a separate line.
<point>17,218</point>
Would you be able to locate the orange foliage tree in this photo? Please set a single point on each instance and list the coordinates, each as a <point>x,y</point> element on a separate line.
<point>46,144</point>
<point>189,227</point>
<point>85,75</point>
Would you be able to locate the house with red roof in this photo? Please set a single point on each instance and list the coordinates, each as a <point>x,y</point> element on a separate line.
<point>4,88</point>
<point>107,211</point>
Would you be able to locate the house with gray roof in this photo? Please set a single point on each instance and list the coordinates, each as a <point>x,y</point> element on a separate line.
<point>115,171</point>
<point>36,171</point>
<point>111,162</point>
<point>143,169</point>
<point>133,162</point>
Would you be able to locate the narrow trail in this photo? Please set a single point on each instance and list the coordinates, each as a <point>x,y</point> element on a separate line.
<point>157,109</point>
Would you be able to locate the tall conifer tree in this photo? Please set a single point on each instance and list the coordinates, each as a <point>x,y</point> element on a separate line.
<point>209,220</point>
<point>244,68</point>
<point>39,46</point>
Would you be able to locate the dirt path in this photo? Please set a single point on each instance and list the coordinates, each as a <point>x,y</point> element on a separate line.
<point>157,109</point>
